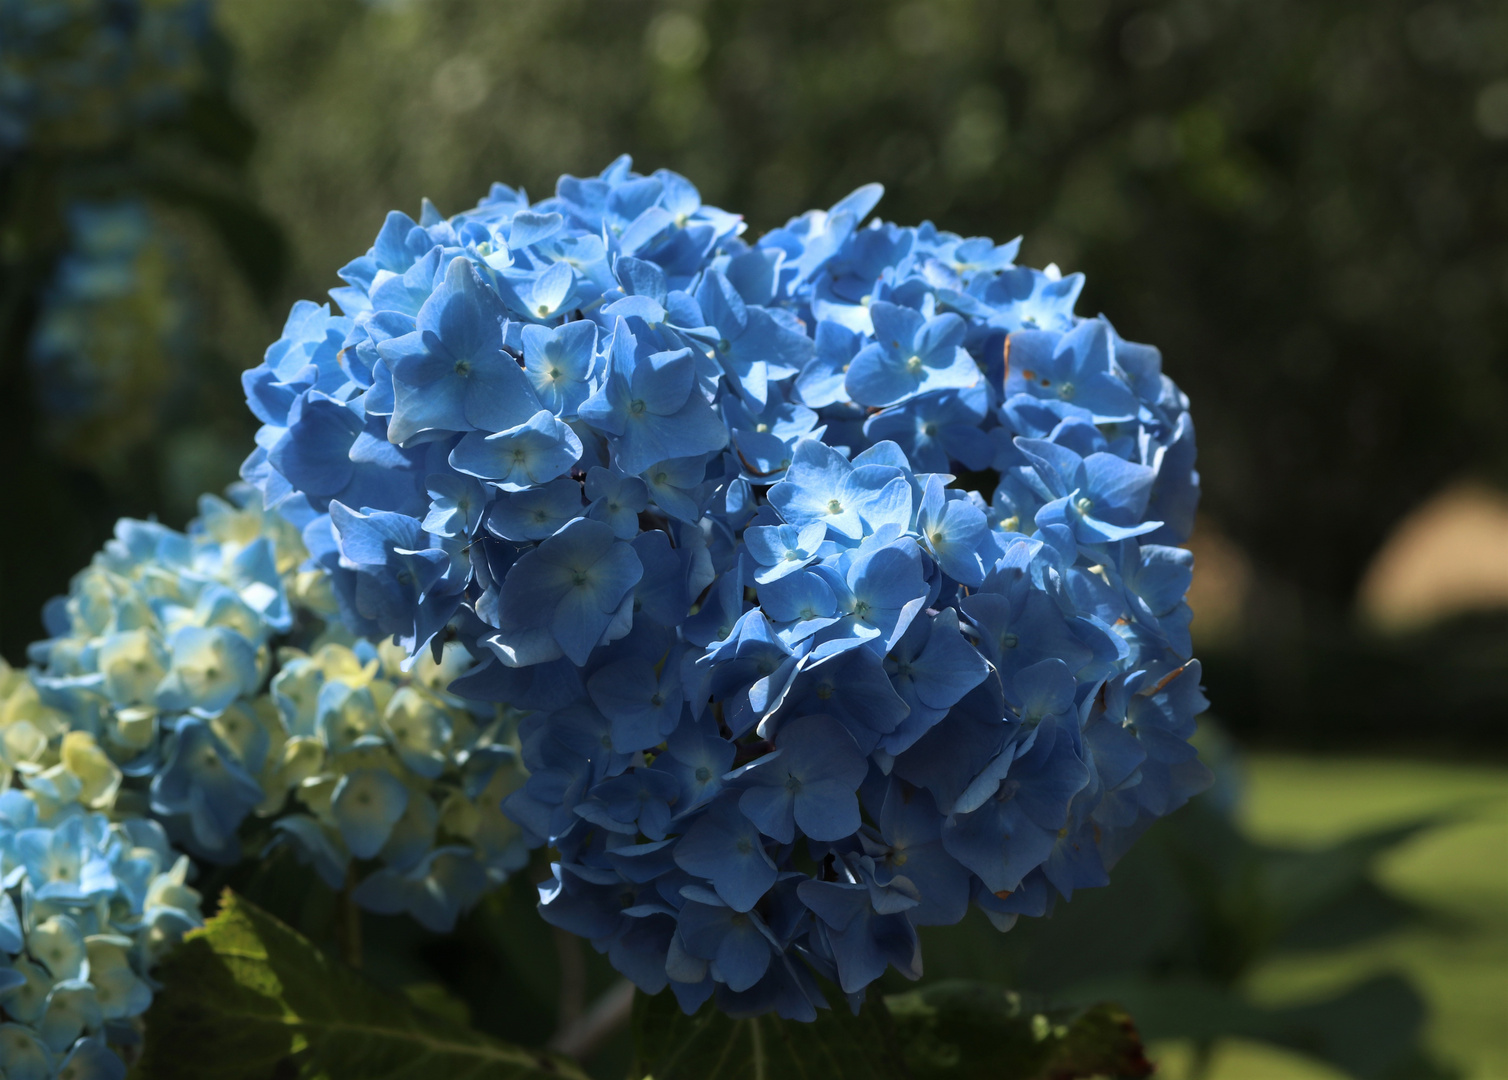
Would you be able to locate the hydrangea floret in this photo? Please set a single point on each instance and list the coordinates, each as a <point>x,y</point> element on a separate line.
<point>836,570</point>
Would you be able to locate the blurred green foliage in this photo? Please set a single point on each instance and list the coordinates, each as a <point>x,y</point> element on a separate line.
<point>1459,956</point>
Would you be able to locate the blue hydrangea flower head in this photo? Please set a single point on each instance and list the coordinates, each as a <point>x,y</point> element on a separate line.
<point>834,573</point>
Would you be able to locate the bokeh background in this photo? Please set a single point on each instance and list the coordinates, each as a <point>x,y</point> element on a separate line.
<point>1304,204</point>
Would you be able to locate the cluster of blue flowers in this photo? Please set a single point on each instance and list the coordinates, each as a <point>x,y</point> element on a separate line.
<point>171,655</point>
<point>76,74</point>
<point>89,901</point>
<point>836,571</point>
<point>110,336</point>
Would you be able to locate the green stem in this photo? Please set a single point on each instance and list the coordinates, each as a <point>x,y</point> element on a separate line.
<point>348,922</point>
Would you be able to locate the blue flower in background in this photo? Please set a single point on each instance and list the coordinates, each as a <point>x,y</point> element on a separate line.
<point>210,667</point>
<point>366,804</point>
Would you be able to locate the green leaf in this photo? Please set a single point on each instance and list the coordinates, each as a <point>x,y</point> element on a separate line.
<point>1370,1030</point>
<point>668,1045</point>
<point>1300,884</point>
<point>246,998</point>
<point>967,1030</point>
<point>953,1030</point>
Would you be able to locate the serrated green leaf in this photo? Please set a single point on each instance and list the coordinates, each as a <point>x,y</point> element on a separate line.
<point>963,1030</point>
<point>954,1030</point>
<point>246,998</point>
<point>668,1045</point>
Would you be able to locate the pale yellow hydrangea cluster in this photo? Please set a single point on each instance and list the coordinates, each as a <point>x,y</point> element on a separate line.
<point>387,760</point>
<point>170,690</point>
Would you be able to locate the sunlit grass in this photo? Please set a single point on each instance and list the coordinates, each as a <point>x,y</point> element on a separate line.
<point>1459,869</point>
<point>1238,1059</point>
